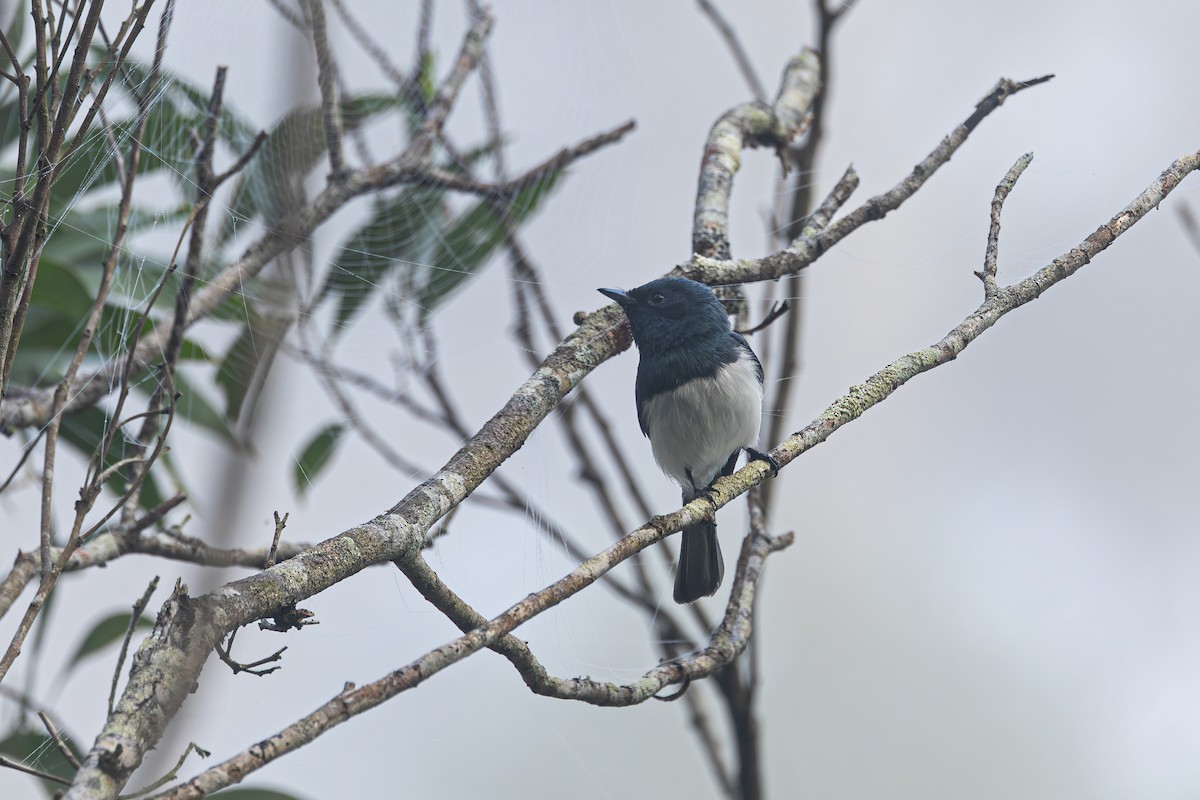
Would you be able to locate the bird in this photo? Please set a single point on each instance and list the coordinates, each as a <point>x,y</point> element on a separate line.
<point>699,394</point>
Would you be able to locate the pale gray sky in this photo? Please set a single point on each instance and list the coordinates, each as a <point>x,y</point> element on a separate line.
<point>992,593</point>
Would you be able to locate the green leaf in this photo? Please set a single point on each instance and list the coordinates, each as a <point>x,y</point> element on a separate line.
<point>85,430</point>
<point>470,241</point>
<point>16,28</point>
<point>270,185</point>
<point>165,146</point>
<point>107,631</point>
<point>191,98</point>
<point>235,372</point>
<point>243,793</point>
<point>191,350</point>
<point>10,122</point>
<point>316,456</point>
<point>36,749</point>
<point>195,408</point>
<point>60,291</point>
<point>401,230</point>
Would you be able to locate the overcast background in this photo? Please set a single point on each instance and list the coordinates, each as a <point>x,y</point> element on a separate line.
<point>993,590</point>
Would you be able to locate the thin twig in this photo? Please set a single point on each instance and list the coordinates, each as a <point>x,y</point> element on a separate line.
<point>28,450</point>
<point>51,729</point>
<point>46,776</point>
<point>331,101</point>
<point>734,45</point>
<point>377,53</point>
<point>280,524</point>
<point>988,273</point>
<point>171,773</point>
<point>252,668</point>
<point>464,65</point>
<point>777,311</point>
<point>139,608</point>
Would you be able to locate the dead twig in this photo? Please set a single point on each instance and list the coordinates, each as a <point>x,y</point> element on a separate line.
<point>280,524</point>
<point>139,607</point>
<point>253,667</point>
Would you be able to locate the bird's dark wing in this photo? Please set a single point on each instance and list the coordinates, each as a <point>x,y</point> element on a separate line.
<point>744,346</point>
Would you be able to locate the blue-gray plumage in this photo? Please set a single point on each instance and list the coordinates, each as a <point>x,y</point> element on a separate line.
<point>699,401</point>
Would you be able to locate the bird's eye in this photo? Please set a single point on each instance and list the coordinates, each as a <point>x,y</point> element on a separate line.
<point>657,299</point>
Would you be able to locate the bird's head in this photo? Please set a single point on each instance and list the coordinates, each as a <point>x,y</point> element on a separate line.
<point>667,311</point>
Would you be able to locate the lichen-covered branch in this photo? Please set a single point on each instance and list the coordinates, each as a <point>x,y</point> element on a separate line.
<point>170,659</point>
<point>807,249</point>
<point>748,125</point>
<point>726,644</point>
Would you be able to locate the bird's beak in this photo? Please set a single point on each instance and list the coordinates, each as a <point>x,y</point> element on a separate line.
<point>620,295</point>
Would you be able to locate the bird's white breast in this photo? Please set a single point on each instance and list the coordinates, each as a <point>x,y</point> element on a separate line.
<point>699,425</point>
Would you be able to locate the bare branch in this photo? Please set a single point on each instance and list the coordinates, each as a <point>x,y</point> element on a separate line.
<point>331,101</point>
<point>748,125</point>
<point>369,45</point>
<point>138,608</point>
<point>988,273</point>
<point>808,249</point>
<point>734,45</point>
<point>280,524</point>
<point>46,776</point>
<point>53,731</point>
<point>115,543</point>
<point>171,773</point>
<point>727,642</point>
<point>251,668</point>
<point>439,109</point>
<point>777,311</point>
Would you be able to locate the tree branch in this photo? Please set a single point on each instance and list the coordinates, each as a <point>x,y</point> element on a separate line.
<point>726,644</point>
<point>807,249</point>
<point>170,660</point>
<point>748,125</point>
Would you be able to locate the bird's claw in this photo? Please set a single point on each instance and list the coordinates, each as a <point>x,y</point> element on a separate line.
<point>759,455</point>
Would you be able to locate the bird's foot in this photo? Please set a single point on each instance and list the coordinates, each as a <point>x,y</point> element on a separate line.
<point>759,455</point>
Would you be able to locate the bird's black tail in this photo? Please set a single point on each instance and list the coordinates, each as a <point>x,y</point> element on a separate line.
<point>700,564</point>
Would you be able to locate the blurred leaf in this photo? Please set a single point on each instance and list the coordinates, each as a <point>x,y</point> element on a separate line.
<point>193,351</point>
<point>10,122</point>
<point>470,241</point>
<point>36,749</point>
<point>60,291</point>
<point>235,372</point>
<point>195,408</point>
<point>166,145</point>
<point>109,630</point>
<point>270,185</point>
<point>85,429</point>
<point>151,496</point>
<point>192,100</point>
<point>401,229</point>
<point>243,793</point>
<point>316,456</point>
<point>427,80</point>
<point>16,28</point>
